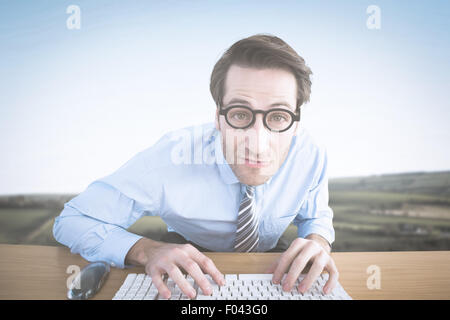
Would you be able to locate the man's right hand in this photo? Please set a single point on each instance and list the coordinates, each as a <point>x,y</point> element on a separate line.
<point>161,258</point>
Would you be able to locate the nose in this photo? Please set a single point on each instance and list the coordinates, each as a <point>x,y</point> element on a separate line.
<point>260,137</point>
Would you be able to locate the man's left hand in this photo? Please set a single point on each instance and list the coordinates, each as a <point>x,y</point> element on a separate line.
<point>295,258</point>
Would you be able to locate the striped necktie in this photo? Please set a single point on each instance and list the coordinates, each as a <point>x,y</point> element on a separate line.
<point>247,237</point>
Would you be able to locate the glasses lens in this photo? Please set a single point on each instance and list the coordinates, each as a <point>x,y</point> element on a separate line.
<point>278,120</point>
<point>239,117</point>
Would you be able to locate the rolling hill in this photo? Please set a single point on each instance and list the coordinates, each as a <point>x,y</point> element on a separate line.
<point>408,211</point>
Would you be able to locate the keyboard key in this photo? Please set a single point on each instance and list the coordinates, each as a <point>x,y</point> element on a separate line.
<point>231,277</point>
<point>255,276</point>
<point>128,297</point>
<point>151,296</point>
<point>130,278</point>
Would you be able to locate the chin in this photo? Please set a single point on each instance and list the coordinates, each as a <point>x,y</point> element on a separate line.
<point>251,177</point>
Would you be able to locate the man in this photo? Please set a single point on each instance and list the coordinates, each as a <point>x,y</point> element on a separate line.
<point>234,185</point>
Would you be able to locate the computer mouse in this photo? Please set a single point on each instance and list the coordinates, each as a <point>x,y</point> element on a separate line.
<point>89,281</point>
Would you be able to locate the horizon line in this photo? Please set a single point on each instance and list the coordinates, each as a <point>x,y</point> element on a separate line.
<point>329,179</point>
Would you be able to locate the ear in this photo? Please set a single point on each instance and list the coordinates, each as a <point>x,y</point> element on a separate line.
<point>297,124</point>
<point>296,127</point>
<point>217,119</point>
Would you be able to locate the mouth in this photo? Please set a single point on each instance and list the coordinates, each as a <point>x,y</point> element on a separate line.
<point>256,163</point>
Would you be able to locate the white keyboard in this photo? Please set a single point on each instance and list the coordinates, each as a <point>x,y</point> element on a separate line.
<point>237,287</point>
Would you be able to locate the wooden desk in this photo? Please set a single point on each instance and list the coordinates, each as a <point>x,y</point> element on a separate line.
<point>39,272</point>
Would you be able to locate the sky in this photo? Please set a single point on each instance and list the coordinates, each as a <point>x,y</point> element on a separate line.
<point>76,104</point>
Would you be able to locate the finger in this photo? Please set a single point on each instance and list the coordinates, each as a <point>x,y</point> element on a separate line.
<point>316,269</point>
<point>332,277</point>
<point>285,260</point>
<point>207,265</point>
<point>297,267</point>
<point>159,283</point>
<point>177,276</point>
<point>193,269</point>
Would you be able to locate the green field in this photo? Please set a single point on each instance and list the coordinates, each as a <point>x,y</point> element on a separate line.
<point>17,225</point>
<point>378,213</point>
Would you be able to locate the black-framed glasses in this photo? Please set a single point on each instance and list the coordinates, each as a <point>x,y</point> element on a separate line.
<point>276,119</point>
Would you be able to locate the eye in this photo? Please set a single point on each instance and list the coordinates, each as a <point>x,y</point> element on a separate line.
<point>240,115</point>
<point>278,117</point>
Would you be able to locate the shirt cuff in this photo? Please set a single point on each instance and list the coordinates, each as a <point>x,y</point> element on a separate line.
<point>308,228</point>
<point>117,245</point>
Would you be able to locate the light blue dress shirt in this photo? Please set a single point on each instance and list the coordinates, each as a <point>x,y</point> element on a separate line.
<point>185,180</point>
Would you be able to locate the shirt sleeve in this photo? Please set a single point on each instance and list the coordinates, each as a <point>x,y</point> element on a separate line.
<point>315,216</point>
<point>94,223</point>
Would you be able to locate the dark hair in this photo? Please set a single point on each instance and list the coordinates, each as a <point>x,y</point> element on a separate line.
<point>262,51</point>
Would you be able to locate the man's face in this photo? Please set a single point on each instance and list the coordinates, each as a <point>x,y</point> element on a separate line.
<point>256,153</point>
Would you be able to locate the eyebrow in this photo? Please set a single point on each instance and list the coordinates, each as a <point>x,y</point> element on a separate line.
<point>242,101</point>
